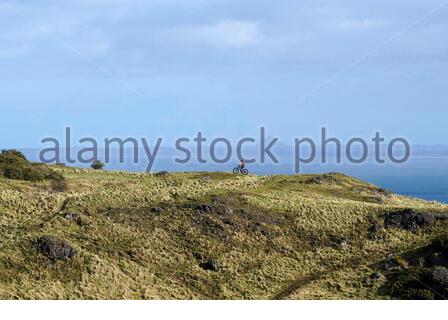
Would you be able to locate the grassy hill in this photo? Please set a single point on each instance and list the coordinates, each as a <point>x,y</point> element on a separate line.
<point>113,235</point>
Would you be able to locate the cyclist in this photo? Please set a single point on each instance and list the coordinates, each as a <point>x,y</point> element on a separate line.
<point>241,168</point>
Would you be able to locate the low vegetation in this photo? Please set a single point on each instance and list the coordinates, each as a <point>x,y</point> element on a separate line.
<point>116,235</point>
<point>14,165</point>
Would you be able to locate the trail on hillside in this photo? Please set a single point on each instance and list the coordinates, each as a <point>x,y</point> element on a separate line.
<point>305,280</point>
<point>297,284</point>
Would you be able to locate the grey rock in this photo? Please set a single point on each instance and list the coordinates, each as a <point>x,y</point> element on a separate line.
<point>409,219</point>
<point>55,248</point>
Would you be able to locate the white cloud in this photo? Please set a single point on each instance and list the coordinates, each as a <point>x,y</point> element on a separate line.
<point>234,34</point>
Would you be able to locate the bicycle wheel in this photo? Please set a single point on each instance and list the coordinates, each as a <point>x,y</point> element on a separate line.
<point>245,172</point>
<point>236,170</point>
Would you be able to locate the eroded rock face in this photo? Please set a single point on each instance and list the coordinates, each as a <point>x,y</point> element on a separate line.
<point>55,248</point>
<point>409,219</point>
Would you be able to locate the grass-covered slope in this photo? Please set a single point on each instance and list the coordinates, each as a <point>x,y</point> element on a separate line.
<point>205,236</point>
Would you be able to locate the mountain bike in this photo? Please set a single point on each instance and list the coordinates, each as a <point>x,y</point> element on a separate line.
<point>241,170</point>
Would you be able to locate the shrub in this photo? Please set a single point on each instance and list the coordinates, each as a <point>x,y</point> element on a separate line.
<point>12,172</point>
<point>13,152</point>
<point>13,157</point>
<point>14,165</point>
<point>97,165</point>
<point>40,172</point>
<point>53,175</point>
<point>33,174</point>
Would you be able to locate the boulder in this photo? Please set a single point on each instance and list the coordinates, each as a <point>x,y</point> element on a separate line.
<point>55,248</point>
<point>210,265</point>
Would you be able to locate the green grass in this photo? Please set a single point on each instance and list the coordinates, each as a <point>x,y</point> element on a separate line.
<point>139,236</point>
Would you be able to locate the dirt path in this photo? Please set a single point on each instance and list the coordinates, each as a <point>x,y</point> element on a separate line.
<point>297,284</point>
<point>305,280</point>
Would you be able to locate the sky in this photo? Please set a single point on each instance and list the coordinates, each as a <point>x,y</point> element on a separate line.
<point>165,68</point>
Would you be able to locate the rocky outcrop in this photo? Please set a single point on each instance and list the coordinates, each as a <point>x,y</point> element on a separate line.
<point>55,248</point>
<point>409,219</point>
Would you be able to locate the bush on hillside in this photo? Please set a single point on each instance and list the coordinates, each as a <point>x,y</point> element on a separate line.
<point>14,165</point>
<point>12,157</point>
<point>12,172</point>
<point>97,165</point>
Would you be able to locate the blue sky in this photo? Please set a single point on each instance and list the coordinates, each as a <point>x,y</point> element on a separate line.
<point>170,68</point>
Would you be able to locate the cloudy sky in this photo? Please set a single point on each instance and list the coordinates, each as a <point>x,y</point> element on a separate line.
<point>170,68</point>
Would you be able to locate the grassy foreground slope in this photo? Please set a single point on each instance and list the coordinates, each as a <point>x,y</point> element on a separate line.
<point>201,236</point>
